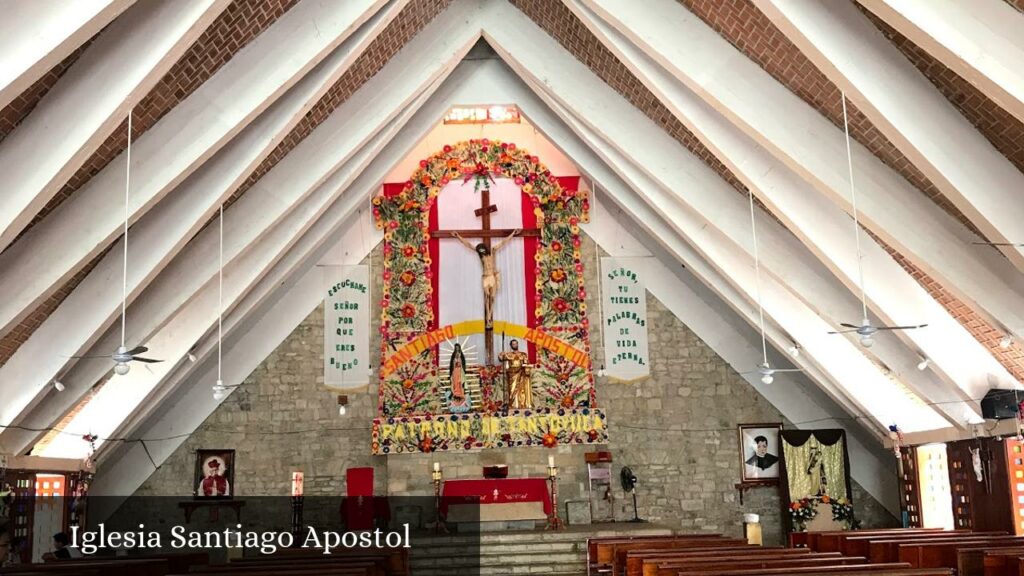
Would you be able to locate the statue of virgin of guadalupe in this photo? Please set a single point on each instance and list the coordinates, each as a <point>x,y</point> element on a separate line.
<point>457,376</point>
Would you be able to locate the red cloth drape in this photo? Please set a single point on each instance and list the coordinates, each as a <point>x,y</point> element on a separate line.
<point>495,491</point>
<point>361,507</point>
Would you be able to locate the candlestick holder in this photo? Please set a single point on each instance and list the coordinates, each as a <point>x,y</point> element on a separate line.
<point>439,524</point>
<point>297,505</point>
<point>554,522</point>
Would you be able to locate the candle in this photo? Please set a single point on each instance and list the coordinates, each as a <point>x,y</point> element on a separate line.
<point>551,461</point>
<point>297,483</point>
<point>437,466</point>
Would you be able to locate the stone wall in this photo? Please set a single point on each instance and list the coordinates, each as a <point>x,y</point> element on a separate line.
<point>676,430</point>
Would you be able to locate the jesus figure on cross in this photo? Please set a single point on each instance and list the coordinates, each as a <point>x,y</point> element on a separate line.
<point>489,275</point>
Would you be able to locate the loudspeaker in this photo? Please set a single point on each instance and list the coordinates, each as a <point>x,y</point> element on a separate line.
<point>1001,404</point>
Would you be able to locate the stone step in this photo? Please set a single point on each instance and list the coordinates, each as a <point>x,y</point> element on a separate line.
<point>456,549</point>
<point>520,557</point>
<point>486,538</point>
<point>551,569</point>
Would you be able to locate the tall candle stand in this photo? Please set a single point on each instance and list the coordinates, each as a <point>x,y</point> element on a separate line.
<point>297,505</point>
<point>554,522</point>
<point>437,476</point>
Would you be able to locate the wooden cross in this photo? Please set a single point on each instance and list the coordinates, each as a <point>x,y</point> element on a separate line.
<point>485,233</point>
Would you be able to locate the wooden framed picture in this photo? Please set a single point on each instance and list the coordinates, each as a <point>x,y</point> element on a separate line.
<point>759,453</point>
<point>215,474</point>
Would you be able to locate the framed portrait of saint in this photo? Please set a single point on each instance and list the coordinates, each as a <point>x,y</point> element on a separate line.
<point>759,453</point>
<point>215,474</point>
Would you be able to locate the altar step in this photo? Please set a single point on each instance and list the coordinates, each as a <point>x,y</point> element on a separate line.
<point>562,553</point>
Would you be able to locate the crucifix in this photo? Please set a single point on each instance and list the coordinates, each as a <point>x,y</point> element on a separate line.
<point>489,273</point>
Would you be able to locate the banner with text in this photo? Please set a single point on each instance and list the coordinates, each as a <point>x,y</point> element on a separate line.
<point>346,327</point>
<point>624,300</point>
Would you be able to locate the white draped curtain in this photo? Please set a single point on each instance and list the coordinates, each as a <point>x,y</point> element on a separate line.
<point>460,293</point>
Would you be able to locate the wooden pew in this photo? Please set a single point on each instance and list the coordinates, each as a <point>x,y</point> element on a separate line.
<point>601,550</point>
<point>888,569</point>
<point>857,544</point>
<point>152,567</point>
<point>886,547</point>
<point>395,562</point>
<point>620,550</point>
<point>887,550</point>
<point>635,559</point>
<point>831,541</point>
<point>922,554</point>
<point>176,561</point>
<point>638,561</point>
<point>982,561</point>
<point>673,567</point>
<point>834,541</point>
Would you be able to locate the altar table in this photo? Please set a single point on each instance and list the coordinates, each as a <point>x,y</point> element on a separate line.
<point>498,498</point>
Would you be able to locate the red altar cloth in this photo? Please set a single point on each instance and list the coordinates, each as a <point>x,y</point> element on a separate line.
<point>495,491</point>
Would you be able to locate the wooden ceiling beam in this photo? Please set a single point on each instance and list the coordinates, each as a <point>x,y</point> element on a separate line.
<point>36,36</point>
<point>182,141</point>
<point>296,181</point>
<point>962,368</point>
<point>814,148</point>
<point>980,40</point>
<point>911,112</point>
<point>88,102</point>
<point>159,235</point>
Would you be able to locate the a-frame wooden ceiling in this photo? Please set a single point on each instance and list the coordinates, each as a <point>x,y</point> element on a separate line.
<point>61,215</point>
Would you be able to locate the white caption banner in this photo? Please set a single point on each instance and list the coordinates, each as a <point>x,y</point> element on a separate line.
<point>624,301</point>
<point>347,327</point>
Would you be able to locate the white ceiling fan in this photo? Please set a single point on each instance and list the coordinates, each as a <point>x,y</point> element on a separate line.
<point>865,330</point>
<point>1013,244</point>
<point>123,357</point>
<point>221,390</point>
<point>764,369</point>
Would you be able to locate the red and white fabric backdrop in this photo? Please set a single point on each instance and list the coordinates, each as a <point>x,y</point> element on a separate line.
<point>458,293</point>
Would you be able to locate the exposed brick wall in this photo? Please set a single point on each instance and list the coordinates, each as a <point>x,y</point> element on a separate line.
<point>17,336</point>
<point>752,33</point>
<point>239,24</point>
<point>559,22</point>
<point>1011,358</point>
<point>413,18</point>
<point>242,21</point>
<point>1002,129</point>
<point>19,108</point>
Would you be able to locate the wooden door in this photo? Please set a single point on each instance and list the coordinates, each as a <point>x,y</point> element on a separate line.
<point>23,510</point>
<point>980,504</point>
<point>1015,478</point>
<point>910,489</point>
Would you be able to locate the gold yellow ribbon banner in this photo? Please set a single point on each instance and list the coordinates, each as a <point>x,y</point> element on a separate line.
<point>430,339</point>
<point>446,432</point>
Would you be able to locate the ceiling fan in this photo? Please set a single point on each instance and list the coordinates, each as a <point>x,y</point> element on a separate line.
<point>123,357</point>
<point>768,373</point>
<point>764,369</point>
<point>1013,244</point>
<point>865,329</point>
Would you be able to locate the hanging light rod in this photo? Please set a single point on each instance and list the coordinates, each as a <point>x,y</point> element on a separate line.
<point>123,357</point>
<point>764,369</point>
<point>1014,244</point>
<point>865,330</point>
